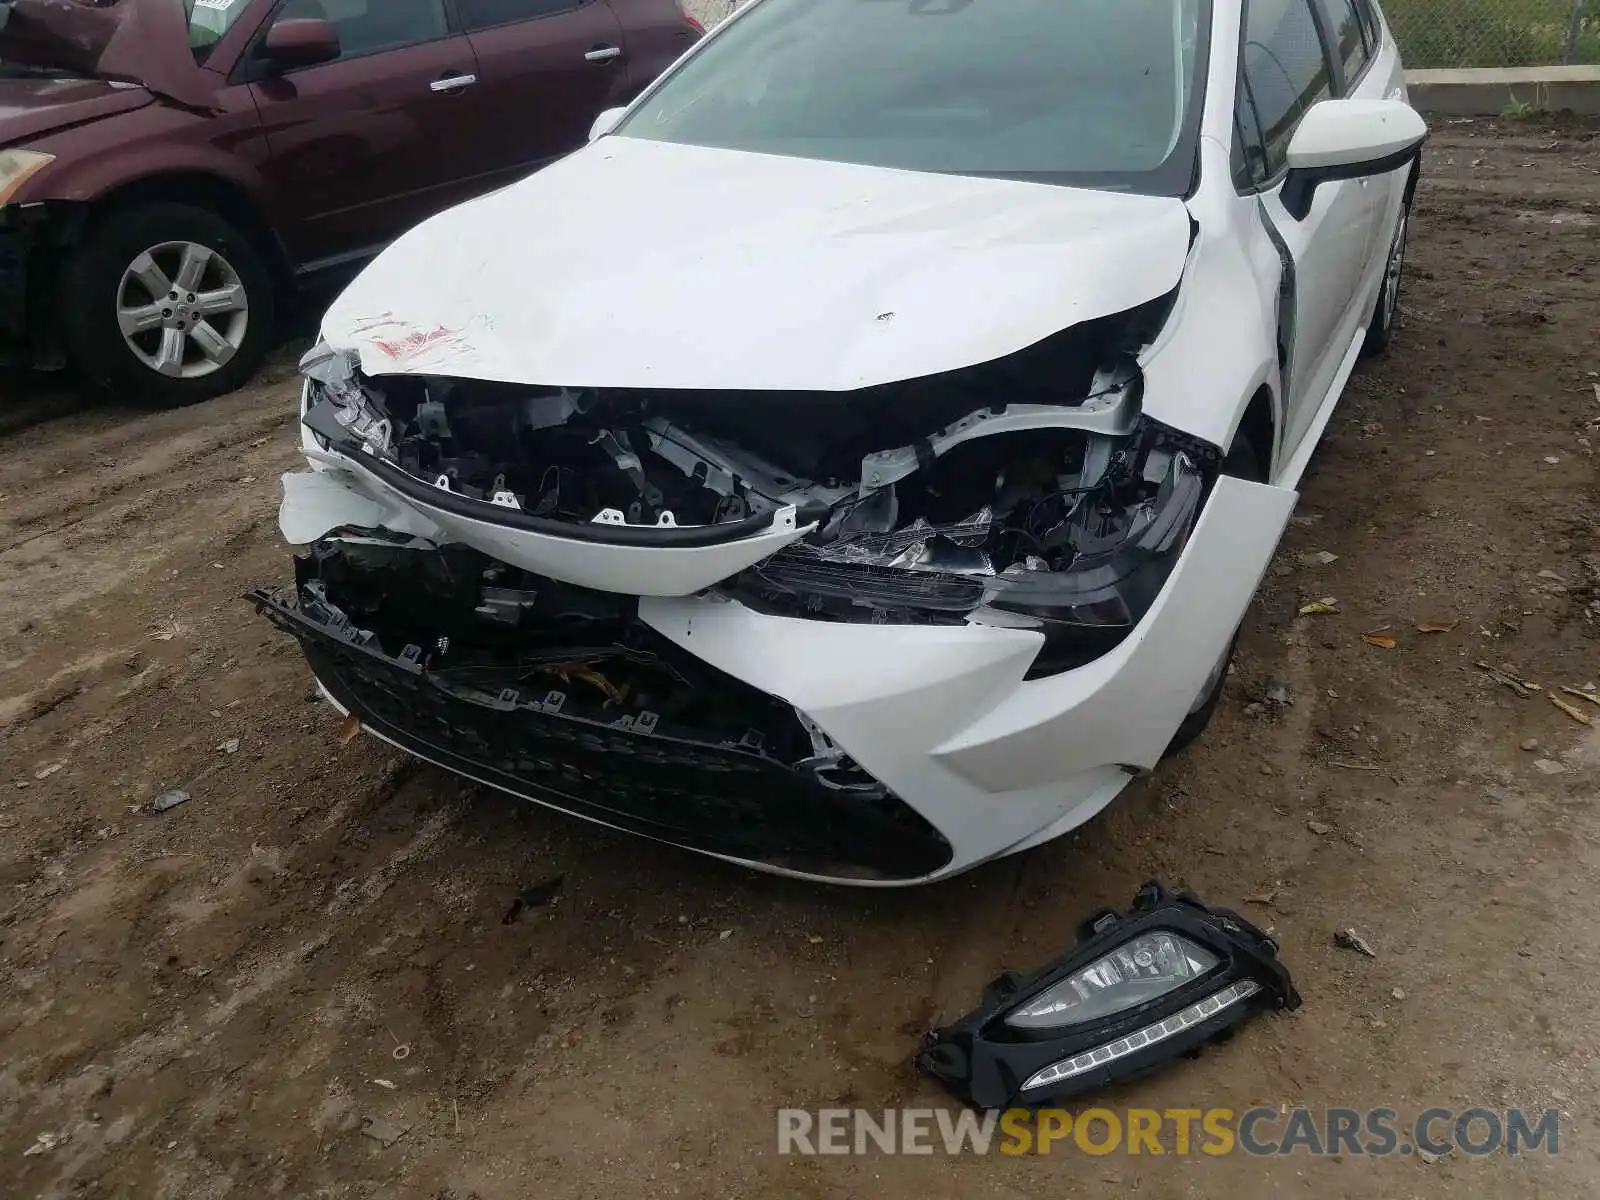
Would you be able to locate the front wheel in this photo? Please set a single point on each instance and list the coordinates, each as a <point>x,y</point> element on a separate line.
<point>1381,331</point>
<point>168,304</point>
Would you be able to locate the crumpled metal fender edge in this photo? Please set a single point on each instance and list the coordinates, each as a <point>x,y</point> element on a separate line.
<point>1126,706</point>
<point>316,502</point>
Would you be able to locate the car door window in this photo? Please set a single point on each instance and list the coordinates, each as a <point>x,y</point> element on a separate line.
<point>1285,72</point>
<point>367,26</point>
<point>1344,30</point>
<point>1249,154</point>
<point>485,14</point>
<point>1369,24</point>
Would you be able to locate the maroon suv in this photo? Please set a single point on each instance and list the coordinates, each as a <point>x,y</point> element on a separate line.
<point>172,171</point>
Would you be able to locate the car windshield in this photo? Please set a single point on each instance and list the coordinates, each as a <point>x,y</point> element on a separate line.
<point>1094,93</point>
<point>208,21</point>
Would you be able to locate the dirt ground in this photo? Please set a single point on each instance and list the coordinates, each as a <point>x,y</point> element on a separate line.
<point>197,1004</point>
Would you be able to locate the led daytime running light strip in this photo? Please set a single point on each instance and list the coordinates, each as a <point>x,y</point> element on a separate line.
<point>1148,1036</point>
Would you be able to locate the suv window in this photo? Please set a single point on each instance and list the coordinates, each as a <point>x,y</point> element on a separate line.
<point>208,21</point>
<point>482,14</point>
<point>1285,72</point>
<point>366,26</point>
<point>1344,27</point>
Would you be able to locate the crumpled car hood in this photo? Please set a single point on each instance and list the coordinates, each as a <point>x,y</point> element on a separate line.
<point>644,264</point>
<point>127,41</point>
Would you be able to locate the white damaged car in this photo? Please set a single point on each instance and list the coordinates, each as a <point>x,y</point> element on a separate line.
<point>858,460</point>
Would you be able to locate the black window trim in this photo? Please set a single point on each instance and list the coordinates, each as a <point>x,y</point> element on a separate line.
<point>1332,62</point>
<point>1371,25</point>
<point>1243,96</point>
<point>1332,51</point>
<point>1330,46</point>
<point>469,30</point>
<point>252,68</point>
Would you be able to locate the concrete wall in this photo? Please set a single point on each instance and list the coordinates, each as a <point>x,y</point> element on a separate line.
<point>1491,91</point>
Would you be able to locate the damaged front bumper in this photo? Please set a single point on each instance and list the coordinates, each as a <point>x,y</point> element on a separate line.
<point>652,625</point>
<point>713,783</point>
<point>974,759</point>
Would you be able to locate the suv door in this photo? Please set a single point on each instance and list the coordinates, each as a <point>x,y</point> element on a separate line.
<point>364,147</point>
<point>1285,69</point>
<point>547,68</point>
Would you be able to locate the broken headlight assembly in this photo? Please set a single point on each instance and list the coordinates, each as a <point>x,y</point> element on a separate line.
<point>1068,532</point>
<point>1139,991</point>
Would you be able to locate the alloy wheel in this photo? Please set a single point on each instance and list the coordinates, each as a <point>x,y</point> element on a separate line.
<point>1392,272</point>
<point>182,309</point>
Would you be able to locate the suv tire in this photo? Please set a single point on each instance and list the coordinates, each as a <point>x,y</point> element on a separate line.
<point>167,304</point>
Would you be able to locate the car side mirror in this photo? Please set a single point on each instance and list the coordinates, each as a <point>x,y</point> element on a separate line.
<point>300,42</point>
<point>1349,139</point>
<point>605,123</point>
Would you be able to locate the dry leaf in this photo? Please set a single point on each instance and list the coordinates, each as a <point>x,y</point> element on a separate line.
<point>1349,939</point>
<point>348,731</point>
<point>1379,640</point>
<point>385,1133</point>
<point>1589,696</point>
<point>567,672</point>
<point>1430,627</point>
<point>1581,717</point>
<point>1263,897</point>
<point>1319,608</point>
<point>1508,677</point>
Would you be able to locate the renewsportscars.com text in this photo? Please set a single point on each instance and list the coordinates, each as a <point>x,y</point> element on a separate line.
<point>1260,1132</point>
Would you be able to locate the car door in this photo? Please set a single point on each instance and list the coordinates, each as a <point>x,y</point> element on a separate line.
<point>364,147</point>
<point>546,69</point>
<point>1286,68</point>
<point>1369,70</point>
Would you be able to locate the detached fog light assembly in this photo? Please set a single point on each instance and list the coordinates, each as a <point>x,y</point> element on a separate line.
<point>1139,991</point>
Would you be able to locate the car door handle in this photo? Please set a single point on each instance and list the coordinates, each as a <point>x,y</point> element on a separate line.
<point>604,53</point>
<point>453,83</point>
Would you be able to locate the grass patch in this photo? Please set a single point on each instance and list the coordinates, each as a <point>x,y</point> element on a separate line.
<point>1491,33</point>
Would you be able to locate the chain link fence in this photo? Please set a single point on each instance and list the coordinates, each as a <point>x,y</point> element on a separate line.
<point>1445,33</point>
<point>1495,33</point>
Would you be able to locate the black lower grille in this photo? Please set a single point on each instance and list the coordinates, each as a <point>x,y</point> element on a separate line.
<point>731,799</point>
<point>13,288</point>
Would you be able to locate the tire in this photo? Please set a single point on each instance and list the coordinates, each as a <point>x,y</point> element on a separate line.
<point>1242,462</point>
<point>172,354</point>
<point>1384,317</point>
